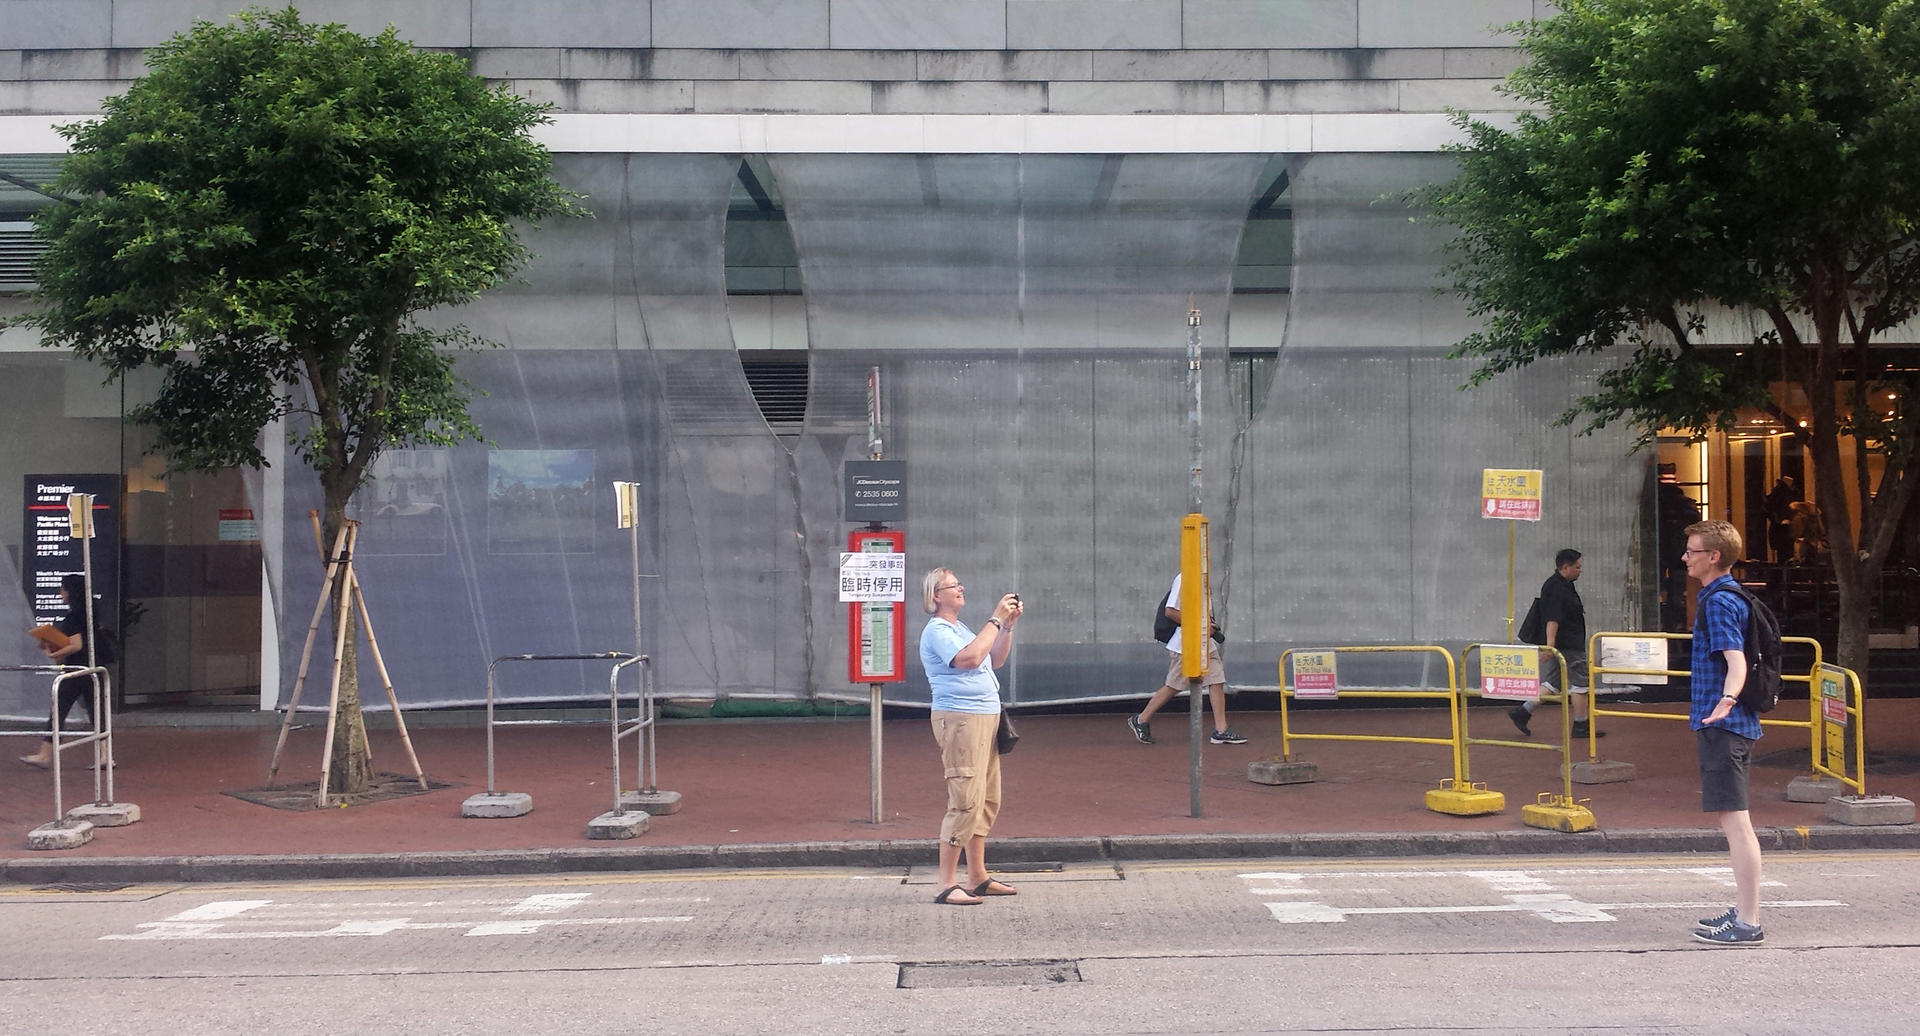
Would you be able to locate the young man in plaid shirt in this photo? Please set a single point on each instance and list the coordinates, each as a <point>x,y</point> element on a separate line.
<point>1724,730</point>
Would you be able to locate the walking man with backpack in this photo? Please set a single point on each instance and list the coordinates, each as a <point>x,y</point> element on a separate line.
<point>1724,729</point>
<point>1166,628</point>
<point>1559,619</point>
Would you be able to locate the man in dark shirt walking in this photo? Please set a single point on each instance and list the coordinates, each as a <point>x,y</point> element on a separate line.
<point>1566,627</point>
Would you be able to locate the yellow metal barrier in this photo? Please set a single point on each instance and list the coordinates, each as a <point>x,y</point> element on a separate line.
<point>1852,712</point>
<point>1595,670</point>
<point>1455,796</point>
<point>1553,812</point>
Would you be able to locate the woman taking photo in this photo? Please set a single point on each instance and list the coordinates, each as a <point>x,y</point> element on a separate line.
<point>966,713</point>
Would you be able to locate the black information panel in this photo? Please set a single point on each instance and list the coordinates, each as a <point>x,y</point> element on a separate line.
<point>51,551</point>
<point>876,491</point>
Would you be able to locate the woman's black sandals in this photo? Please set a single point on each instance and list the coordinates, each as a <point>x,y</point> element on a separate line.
<point>994,887</point>
<point>946,894</point>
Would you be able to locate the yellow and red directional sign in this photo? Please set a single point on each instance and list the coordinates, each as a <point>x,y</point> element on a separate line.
<point>1315,675</point>
<point>1510,671</point>
<point>1510,493</point>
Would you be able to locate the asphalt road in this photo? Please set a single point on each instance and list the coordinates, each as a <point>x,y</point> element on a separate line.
<point>1496,945</point>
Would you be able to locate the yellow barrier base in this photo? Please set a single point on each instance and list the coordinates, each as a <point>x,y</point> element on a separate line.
<point>1554,813</point>
<point>1469,801</point>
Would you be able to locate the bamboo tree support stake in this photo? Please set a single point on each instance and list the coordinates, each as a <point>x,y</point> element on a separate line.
<point>306,653</point>
<point>339,658</point>
<point>380,665</point>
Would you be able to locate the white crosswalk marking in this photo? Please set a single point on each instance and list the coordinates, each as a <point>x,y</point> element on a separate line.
<point>264,919</point>
<point>1531,891</point>
<point>219,911</point>
<point>548,903</point>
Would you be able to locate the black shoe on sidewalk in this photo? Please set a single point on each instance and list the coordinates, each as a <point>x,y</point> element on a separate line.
<point>1580,729</point>
<point>1521,717</point>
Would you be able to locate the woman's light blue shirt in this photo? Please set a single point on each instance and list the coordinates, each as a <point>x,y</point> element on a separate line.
<point>974,690</point>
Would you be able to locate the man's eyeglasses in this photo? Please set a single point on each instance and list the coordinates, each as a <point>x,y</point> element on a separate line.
<point>949,586</point>
<point>1695,550</point>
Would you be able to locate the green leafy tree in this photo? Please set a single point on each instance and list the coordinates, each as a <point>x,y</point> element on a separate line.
<point>1692,164</point>
<point>264,216</point>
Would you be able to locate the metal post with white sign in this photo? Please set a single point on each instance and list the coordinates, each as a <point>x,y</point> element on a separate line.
<point>105,810</point>
<point>648,796</point>
<point>873,577</point>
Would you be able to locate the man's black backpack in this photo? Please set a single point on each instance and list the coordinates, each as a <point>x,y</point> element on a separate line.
<point>1763,650</point>
<point>1533,629</point>
<point>1164,628</point>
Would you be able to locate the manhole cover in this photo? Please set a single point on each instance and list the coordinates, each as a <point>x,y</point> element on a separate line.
<point>956,974</point>
<point>83,886</point>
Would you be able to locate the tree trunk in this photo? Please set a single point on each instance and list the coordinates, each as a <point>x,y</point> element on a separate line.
<point>350,769</point>
<point>1856,605</point>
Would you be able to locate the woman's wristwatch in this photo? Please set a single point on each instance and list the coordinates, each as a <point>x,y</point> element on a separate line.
<point>996,622</point>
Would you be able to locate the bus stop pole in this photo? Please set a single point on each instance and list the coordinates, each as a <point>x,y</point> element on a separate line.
<point>1195,685</point>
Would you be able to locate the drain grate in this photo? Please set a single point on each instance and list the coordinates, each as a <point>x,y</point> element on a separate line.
<point>960,974</point>
<point>83,886</point>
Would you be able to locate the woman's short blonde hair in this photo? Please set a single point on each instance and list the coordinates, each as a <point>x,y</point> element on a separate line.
<point>1720,536</point>
<point>926,587</point>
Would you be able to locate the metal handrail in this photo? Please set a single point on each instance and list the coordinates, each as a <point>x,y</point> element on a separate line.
<point>101,736</point>
<point>1450,693</point>
<point>621,658</point>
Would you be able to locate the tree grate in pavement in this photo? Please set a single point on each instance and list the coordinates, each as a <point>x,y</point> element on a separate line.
<point>960,974</point>
<point>83,886</point>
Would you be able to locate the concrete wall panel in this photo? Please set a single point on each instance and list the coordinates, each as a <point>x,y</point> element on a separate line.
<point>79,64</point>
<point>724,24</point>
<point>1432,95</point>
<point>1277,24</point>
<point>36,24</point>
<point>1439,23</point>
<point>608,95</point>
<point>1180,64</point>
<point>946,25</point>
<point>56,97</point>
<point>960,98</point>
<point>1136,98</point>
<point>1006,65</point>
<point>1482,62</point>
<point>559,23</point>
<point>1308,96</point>
<point>828,64</point>
<point>427,25</point>
<point>1094,24</point>
<point>517,63</point>
<point>818,98</point>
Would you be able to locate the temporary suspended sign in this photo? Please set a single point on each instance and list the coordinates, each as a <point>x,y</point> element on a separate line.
<point>1510,493</point>
<point>869,576</point>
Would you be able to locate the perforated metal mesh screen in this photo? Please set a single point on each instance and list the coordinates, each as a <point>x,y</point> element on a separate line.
<point>1028,317</point>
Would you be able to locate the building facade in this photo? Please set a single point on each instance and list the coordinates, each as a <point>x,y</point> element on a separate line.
<point>1008,209</point>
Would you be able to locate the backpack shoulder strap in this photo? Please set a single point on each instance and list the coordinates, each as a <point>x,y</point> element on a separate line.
<point>1750,636</point>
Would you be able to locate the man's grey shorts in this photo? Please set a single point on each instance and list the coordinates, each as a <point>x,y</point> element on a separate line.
<point>1723,769</point>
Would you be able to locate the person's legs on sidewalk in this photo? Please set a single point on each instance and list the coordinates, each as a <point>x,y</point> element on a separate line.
<point>1743,851</point>
<point>1160,698</point>
<point>72,692</point>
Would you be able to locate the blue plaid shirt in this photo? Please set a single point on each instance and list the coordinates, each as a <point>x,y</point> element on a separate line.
<point>1719,624</point>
